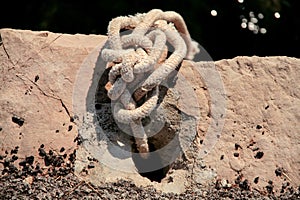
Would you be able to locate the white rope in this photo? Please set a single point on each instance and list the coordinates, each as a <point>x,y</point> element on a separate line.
<point>135,54</point>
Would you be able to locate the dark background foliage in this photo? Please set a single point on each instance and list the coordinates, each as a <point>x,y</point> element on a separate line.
<point>221,35</point>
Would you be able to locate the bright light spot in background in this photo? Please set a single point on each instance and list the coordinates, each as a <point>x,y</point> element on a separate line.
<point>255,31</point>
<point>243,25</point>
<point>263,31</point>
<point>251,26</point>
<point>254,20</point>
<point>260,16</point>
<point>277,15</point>
<point>241,1</point>
<point>213,13</point>
<point>251,14</point>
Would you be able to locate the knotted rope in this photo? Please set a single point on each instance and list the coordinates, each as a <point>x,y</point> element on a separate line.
<point>141,52</point>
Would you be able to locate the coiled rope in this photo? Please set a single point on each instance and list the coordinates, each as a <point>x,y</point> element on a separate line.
<point>141,52</point>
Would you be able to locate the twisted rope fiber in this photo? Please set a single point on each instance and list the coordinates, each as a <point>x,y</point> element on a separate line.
<point>139,60</point>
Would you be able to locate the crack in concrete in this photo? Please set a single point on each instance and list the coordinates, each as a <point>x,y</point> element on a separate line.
<point>47,95</point>
<point>7,53</point>
<point>37,52</point>
<point>48,44</point>
<point>19,76</point>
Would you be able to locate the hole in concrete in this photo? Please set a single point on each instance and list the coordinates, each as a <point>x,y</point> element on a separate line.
<point>162,145</point>
<point>145,166</point>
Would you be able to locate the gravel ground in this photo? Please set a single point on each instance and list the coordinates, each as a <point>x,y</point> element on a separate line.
<point>57,181</point>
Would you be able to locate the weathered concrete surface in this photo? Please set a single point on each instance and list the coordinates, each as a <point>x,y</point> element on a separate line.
<point>38,73</point>
<point>263,115</point>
